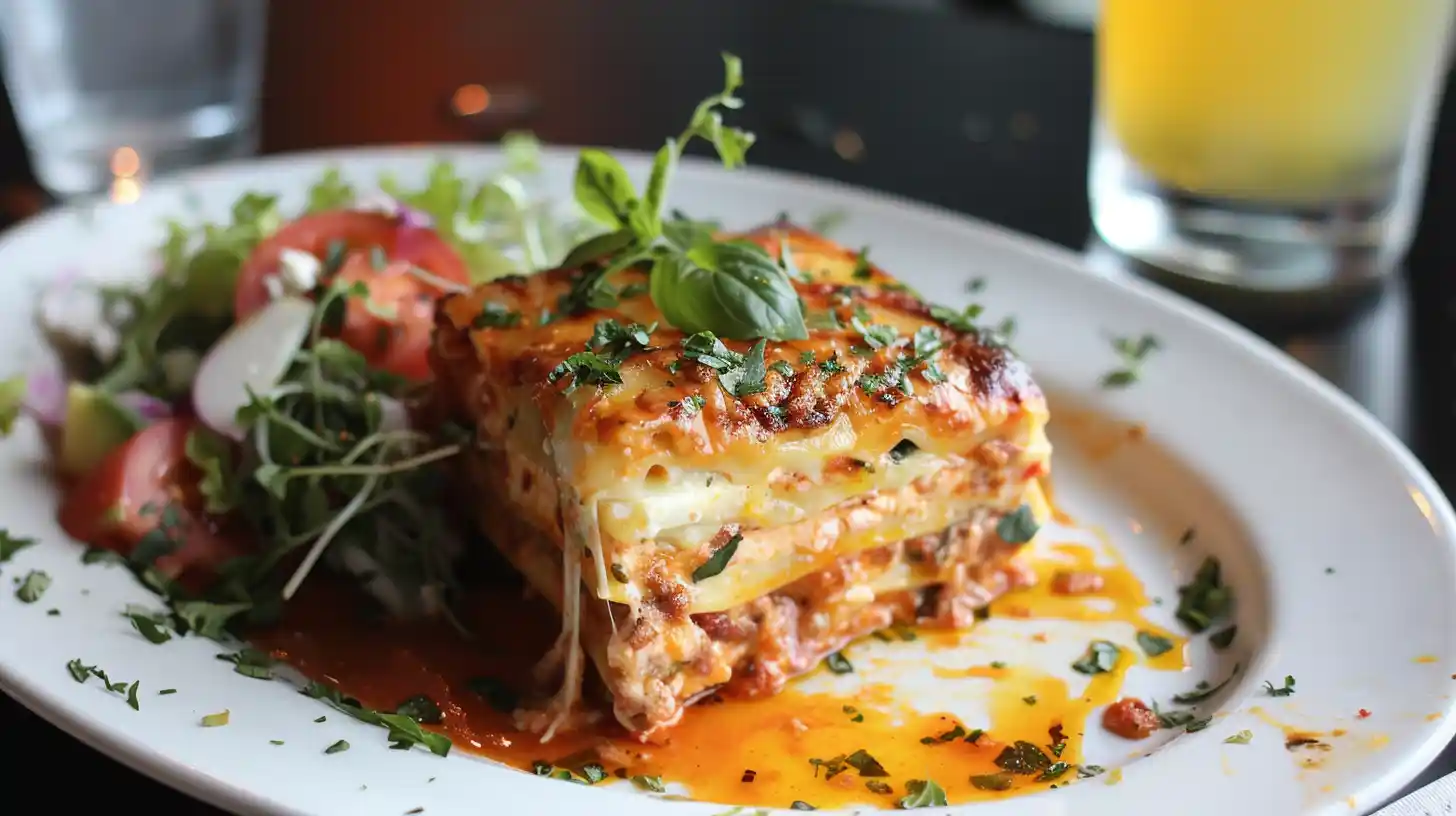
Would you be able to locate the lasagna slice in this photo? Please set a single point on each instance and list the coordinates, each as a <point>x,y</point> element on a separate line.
<point>723,515</point>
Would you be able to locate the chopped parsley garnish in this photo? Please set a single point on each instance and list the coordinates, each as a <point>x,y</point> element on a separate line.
<point>1089,771</point>
<point>421,709</point>
<point>150,628</point>
<point>1205,599</point>
<point>922,793</point>
<point>949,736</point>
<point>1029,699</point>
<point>782,367</point>
<point>1241,738</point>
<point>876,786</point>
<point>589,290</point>
<point>81,672</point>
<point>854,714</point>
<point>10,545</point>
<point>1173,719</point>
<point>649,783</point>
<point>800,804</point>
<point>33,586</point>
<point>495,316</point>
<point>1022,757</point>
<point>1017,527</point>
<point>876,335</point>
<point>1101,657</point>
<point>1283,691</point>
<point>860,760</point>
<point>806,358</point>
<point>865,764</point>
<point>1205,691</point>
<point>1198,725</point>
<point>100,555</point>
<point>208,619</point>
<point>992,782</point>
<point>748,379</point>
<point>616,342</point>
<point>215,720</point>
<point>902,449</point>
<point>692,404</point>
<point>586,368</point>
<point>166,691</point>
<point>963,321</point>
<point>250,662</point>
<point>1153,644</point>
<point>862,270</point>
<point>707,349</point>
<point>1132,351</point>
<point>718,561</point>
<point>338,747</point>
<point>404,731</point>
<point>1223,638</point>
<point>1054,772</point>
<point>838,663</point>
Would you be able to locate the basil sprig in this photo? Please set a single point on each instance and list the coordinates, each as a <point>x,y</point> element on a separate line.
<point>733,289</point>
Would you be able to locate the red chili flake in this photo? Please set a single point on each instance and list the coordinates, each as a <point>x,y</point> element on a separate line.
<point>1362,714</point>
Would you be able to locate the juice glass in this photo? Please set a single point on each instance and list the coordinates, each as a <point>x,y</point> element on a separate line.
<point>1268,144</point>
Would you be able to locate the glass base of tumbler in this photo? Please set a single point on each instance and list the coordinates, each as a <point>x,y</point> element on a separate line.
<point>1220,243</point>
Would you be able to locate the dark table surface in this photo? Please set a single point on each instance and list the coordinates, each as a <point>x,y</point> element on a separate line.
<point>979,107</point>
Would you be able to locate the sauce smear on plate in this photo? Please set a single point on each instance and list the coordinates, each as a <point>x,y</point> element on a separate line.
<point>795,747</point>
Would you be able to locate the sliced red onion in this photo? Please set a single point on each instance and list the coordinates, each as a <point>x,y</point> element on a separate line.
<point>147,406</point>
<point>45,397</point>
<point>411,218</point>
<point>407,216</point>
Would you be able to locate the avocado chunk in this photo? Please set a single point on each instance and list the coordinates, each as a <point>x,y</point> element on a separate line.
<point>95,425</point>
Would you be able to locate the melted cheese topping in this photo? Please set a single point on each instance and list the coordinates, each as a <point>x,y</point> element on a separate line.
<point>802,471</point>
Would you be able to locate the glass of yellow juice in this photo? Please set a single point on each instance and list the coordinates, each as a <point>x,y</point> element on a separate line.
<point>1275,145</point>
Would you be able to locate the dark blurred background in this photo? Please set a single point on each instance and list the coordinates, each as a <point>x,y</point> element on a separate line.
<point>981,107</point>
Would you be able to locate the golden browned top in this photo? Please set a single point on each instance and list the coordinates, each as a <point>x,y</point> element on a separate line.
<point>876,363</point>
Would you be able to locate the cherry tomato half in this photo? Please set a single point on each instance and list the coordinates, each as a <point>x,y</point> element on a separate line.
<point>392,328</point>
<point>356,230</point>
<point>148,484</point>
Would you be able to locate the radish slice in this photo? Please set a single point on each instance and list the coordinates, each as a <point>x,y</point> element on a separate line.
<point>253,356</point>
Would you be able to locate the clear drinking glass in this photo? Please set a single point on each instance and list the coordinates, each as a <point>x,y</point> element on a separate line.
<point>1275,145</point>
<point>108,92</point>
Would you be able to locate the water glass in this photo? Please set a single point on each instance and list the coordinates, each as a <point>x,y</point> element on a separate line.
<point>109,92</point>
<point>1271,145</point>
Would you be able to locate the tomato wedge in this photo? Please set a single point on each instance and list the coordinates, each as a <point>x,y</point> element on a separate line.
<point>148,485</point>
<point>400,344</point>
<point>357,231</point>
<point>392,328</point>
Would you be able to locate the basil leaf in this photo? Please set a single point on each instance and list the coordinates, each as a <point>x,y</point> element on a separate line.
<point>647,219</point>
<point>734,290</point>
<point>597,247</point>
<point>685,234</point>
<point>603,189</point>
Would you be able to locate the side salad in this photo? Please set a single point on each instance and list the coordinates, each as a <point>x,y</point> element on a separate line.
<point>244,414</point>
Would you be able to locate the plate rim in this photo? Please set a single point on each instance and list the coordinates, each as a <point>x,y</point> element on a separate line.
<point>173,772</point>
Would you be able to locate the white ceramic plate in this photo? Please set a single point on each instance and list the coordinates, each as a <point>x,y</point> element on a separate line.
<point>1284,478</point>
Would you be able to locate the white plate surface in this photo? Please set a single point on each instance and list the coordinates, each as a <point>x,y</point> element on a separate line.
<point>1284,478</point>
